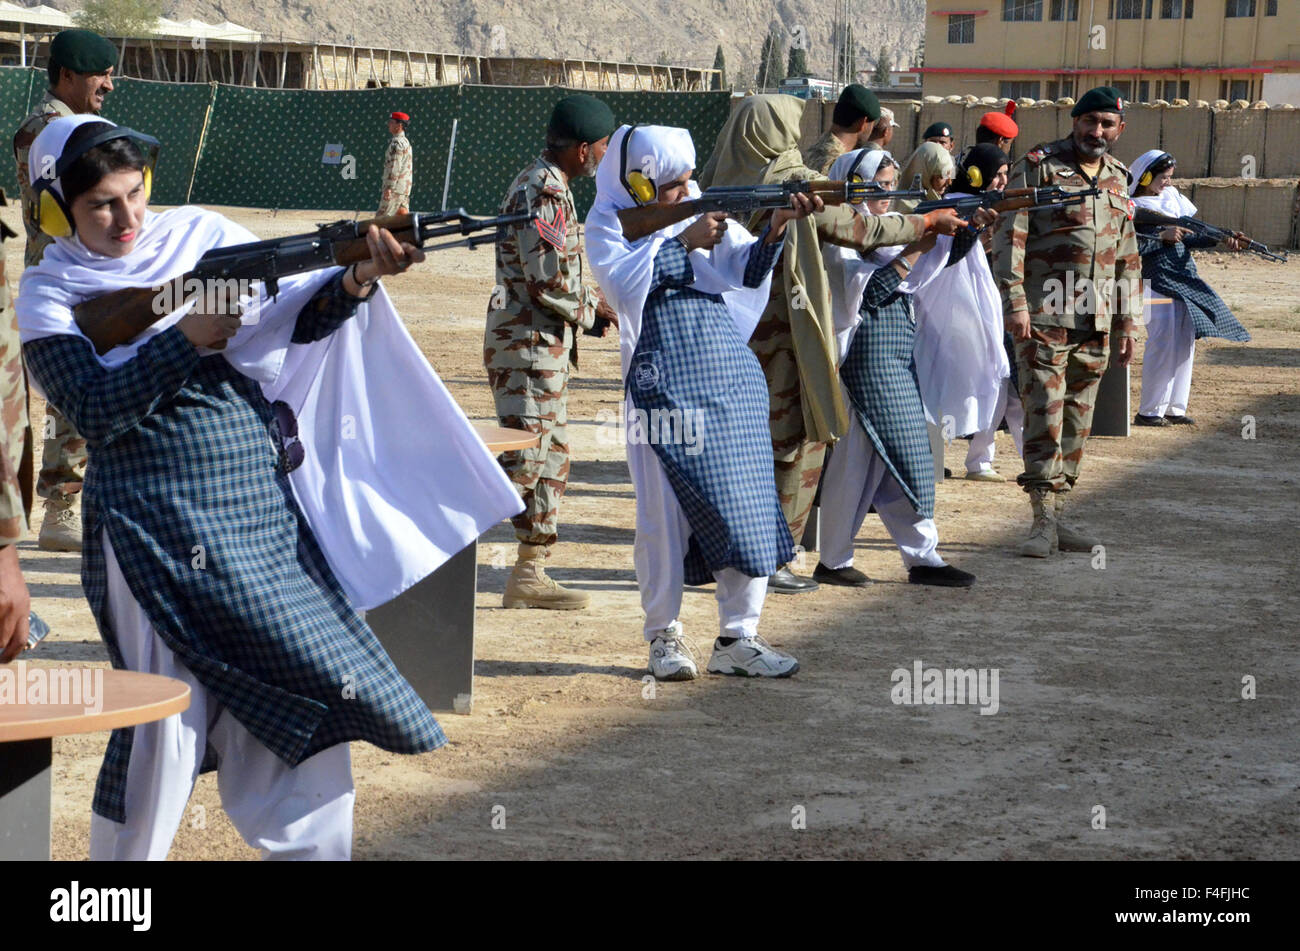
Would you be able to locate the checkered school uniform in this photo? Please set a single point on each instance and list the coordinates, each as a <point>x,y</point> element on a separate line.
<point>1171,271</point>
<point>689,358</point>
<point>880,376</point>
<point>187,475</point>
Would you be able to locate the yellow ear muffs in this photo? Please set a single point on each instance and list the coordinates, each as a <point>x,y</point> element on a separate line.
<point>53,216</point>
<point>974,176</point>
<point>1146,179</point>
<point>642,189</point>
<point>148,182</point>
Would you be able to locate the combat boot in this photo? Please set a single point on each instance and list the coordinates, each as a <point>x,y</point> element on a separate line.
<point>529,586</point>
<point>61,529</point>
<point>1070,539</point>
<point>1042,536</point>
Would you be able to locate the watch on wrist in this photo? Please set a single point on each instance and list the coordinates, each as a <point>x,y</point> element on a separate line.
<point>681,239</point>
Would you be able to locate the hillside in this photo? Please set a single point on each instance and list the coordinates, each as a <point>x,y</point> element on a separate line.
<point>681,32</point>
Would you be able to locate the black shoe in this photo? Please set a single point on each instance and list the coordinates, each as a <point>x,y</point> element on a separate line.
<point>848,577</point>
<point>1140,420</point>
<point>1180,421</point>
<point>784,581</point>
<point>945,576</point>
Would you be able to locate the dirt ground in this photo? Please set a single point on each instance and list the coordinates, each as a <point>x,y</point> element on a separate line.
<point>1120,687</point>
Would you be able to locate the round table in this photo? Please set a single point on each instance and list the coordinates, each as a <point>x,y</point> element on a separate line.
<point>499,439</point>
<point>106,699</point>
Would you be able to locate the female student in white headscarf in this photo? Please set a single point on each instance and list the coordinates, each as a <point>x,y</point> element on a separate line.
<point>242,503</point>
<point>967,379</point>
<point>884,460</point>
<point>1168,270</point>
<point>698,443</point>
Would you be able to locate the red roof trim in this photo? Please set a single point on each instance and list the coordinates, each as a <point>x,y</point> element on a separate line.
<point>1176,70</point>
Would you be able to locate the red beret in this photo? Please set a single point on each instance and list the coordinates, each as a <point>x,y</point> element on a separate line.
<point>401,117</point>
<point>999,123</point>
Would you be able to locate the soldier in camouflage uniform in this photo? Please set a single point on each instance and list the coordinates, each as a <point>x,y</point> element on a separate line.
<point>399,168</point>
<point>1070,281</point>
<point>538,303</point>
<point>855,113</point>
<point>80,70</point>
<point>15,472</point>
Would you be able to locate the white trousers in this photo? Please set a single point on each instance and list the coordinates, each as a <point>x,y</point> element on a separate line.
<point>857,478</point>
<point>287,813</point>
<point>662,536</point>
<point>1167,360</point>
<point>980,454</point>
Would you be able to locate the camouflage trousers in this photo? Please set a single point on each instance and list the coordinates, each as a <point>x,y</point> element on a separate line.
<point>797,461</point>
<point>1059,369</point>
<point>535,401</point>
<point>63,459</point>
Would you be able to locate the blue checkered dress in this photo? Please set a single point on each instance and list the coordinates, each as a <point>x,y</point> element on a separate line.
<point>1171,272</point>
<point>184,452</point>
<point>689,358</point>
<point>880,375</point>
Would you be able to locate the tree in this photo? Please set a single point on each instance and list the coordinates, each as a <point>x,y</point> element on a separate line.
<point>770,61</point>
<point>119,17</point>
<point>881,76</point>
<point>798,64</point>
<point>846,61</point>
<point>720,64</point>
<point>764,58</point>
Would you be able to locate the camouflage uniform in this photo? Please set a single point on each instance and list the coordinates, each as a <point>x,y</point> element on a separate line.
<point>15,459</point>
<point>823,153</point>
<point>399,171</point>
<point>539,300</point>
<point>798,461</point>
<point>1047,263</point>
<point>63,459</point>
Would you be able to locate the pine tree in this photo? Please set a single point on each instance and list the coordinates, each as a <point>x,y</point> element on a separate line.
<point>798,65</point>
<point>764,61</point>
<point>776,52</point>
<point>881,76</point>
<point>720,64</point>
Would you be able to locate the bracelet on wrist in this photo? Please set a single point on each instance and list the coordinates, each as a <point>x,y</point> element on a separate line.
<point>681,239</point>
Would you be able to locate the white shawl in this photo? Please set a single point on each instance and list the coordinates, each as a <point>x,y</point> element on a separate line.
<point>624,269</point>
<point>960,360</point>
<point>395,480</point>
<point>850,271</point>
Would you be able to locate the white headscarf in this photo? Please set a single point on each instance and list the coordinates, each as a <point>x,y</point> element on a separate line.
<point>850,271</point>
<point>624,270</point>
<point>1170,201</point>
<point>395,480</point>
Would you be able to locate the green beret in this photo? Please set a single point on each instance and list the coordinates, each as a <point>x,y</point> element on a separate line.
<point>1101,99</point>
<point>936,130</point>
<point>859,100</point>
<point>82,51</point>
<point>581,118</point>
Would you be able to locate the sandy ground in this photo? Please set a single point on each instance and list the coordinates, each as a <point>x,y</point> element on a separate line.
<point>1120,687</point>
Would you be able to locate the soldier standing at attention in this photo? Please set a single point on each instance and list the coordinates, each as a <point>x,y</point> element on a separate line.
<point>399,168</point>
<point>81,75</point>
<point>1070,282</point>
<point>539,301</point>
<point>855,114</point>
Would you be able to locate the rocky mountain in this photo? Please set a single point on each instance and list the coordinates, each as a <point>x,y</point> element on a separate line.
<point>679,32</point>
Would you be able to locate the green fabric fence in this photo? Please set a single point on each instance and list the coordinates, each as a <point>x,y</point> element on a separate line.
<point>295,148</point>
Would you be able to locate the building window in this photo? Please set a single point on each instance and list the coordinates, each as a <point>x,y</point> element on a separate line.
<point>1125,87</point>
<point>1059,89</point>
<point>961,28</point>
<point>1271,9</point>
<point>1234,89</point>
<point>1018,90</point>
<point>1022,10</point>
<point>1065,9</point>
<point>1240,8</point>
<point>1126,9</point>
<point>1175,9</point>
<point>1144,91</point>
<point>1172,89</point>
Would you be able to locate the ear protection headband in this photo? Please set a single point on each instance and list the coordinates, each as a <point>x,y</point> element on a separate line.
<point>974,176</point>
<point>54,215</point>
<point>1163,161</point>
<point>642,190</point>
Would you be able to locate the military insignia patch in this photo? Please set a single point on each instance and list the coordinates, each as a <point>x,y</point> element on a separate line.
<point>555,233</point>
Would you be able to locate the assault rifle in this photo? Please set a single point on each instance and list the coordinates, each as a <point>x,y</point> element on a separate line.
<point>1012,199</point>
<point>1149,218</point>
<point>120,316</point>
<point>746,199</point>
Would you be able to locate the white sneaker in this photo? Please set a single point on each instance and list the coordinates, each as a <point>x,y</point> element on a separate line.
<point>670,655</point>
<point>751,657</point>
